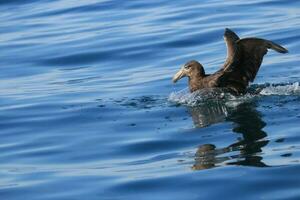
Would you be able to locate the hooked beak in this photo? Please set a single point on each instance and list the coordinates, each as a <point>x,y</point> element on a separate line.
<point>179,75</point>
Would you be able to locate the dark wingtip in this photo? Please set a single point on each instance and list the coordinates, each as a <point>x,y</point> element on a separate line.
<point>284,50</point>
<point>277,47</point>
<point>229,33</point>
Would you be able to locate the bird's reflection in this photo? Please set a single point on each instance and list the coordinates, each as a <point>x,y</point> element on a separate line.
<point>247,121</point>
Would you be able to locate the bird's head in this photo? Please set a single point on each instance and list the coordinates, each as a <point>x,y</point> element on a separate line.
<point>190,69</point>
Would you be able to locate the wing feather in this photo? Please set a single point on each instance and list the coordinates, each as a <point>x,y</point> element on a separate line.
<point>230,39</point>
<point>245,62</point>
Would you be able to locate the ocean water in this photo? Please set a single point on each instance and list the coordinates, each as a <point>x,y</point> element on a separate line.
<point>88,109</point>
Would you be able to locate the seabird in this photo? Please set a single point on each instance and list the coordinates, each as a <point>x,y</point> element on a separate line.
<point>244,57</point>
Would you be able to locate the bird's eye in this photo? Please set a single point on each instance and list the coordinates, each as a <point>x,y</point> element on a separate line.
<point>186,66</point>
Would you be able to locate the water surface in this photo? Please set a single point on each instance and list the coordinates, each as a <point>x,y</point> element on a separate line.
<point>88,109</point>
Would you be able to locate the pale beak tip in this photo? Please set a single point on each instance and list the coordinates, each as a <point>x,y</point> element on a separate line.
<point>178,75</point>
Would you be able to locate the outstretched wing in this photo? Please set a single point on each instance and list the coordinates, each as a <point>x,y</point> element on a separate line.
<point>230,39</point>
<point>245,62</point>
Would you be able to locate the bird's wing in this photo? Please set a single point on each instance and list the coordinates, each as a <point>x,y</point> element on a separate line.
<point>245,62</point>
<point>230,39</point>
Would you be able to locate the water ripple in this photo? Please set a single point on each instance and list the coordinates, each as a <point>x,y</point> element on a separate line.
<point>88,108</point>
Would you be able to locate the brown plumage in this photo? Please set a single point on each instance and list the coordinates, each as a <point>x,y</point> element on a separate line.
<point>244,57</point>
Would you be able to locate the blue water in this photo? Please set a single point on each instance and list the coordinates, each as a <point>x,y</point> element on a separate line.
<point>88,109</point>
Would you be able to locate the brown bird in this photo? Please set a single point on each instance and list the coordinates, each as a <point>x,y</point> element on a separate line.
<point>244,57</point>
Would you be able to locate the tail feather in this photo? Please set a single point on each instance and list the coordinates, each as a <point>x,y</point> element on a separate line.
<point>276,47</point>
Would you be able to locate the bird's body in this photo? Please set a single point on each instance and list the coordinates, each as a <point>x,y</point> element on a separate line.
<point>244,57</point>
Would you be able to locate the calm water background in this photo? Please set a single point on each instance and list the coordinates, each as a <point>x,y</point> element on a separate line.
<point>88,110</point>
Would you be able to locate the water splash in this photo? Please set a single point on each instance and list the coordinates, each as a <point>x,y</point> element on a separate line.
<point>281,89</point>
<point>206,96</point>
<point>200,97</point>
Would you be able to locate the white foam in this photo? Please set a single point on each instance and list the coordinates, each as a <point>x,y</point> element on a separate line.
<point>207,95</point>
<point>289,89</point>
<point>199,97</point>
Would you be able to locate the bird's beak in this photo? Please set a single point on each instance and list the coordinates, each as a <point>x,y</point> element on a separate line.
<point>179,75</point>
